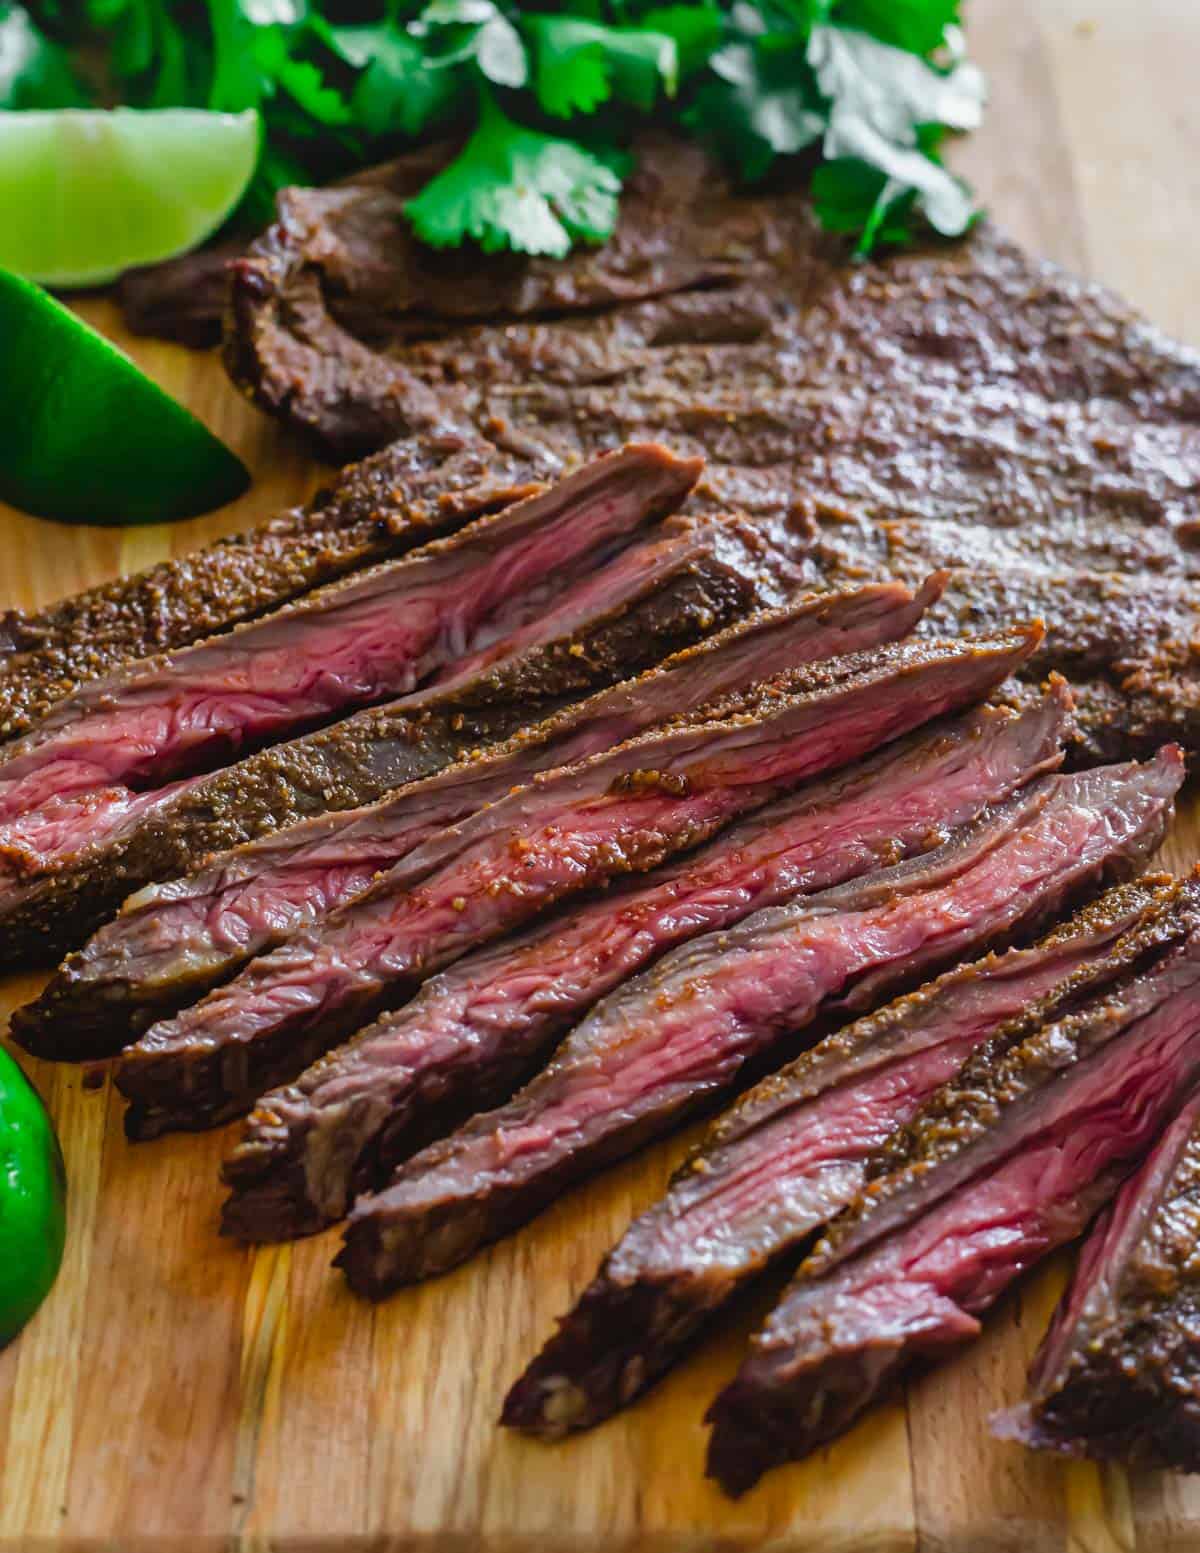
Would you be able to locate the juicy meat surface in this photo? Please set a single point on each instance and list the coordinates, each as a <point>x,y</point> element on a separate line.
<point>473,1030</point>
<point>1116,1377</point>
<point>623,812</point>
<point>969,405</point>
<point>681,1034</point>
<point>665,593</point>
<point>393,501</point>
<point>792,1153</point>
<point>173,942</point>
<point>70,779</point>
<point>1069,1110</point>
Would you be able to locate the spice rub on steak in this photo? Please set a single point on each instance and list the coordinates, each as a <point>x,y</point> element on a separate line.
<point>777,1166</point>
<point>682,1034</point>
<point>171,943</point>
<point>392,502</point>
<point>663,594</point>
<point>1116,1377</point>
<point>122,749</point>
<point>1007,1161</point>
<point>968,405</point>
<point>568,830</point>
<point>473,1031</point>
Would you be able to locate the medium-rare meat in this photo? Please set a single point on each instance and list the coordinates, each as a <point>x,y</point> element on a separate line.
<point>471,1032</point>
<point>1116,1377</point>
<point>623,812</point>
<point>968,404</point>
<point>397,499</point>
<point>681,1034</point>
<point>1009,1160</point>
<point>77,774</point>
<point>170,944</point>
<point>659,596</point>
<point>781,1163</point>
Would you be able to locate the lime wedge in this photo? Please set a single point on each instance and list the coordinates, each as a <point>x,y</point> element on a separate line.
<point>85,436</point>
<point>86,194</point>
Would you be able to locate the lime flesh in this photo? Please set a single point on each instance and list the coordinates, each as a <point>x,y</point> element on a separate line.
<point>85,436</point>
<point>86,194</point>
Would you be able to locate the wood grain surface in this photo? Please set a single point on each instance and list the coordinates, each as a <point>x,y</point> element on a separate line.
<point>181,1394</point>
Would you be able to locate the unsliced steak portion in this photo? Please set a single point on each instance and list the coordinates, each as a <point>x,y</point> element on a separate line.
<point>393,501</point>
<point>173,942</point>
<point>681,1034</point>
<point>662,594</point>
<point>73,778</point>
<point>968,405</point>
<point>1008,1161</point>
<point>340,317</point>
<point>180,299</point>
<point>1118,1374</point>
<point>781,1163</point>
<point>568,830</point>
<point>473,1031</point>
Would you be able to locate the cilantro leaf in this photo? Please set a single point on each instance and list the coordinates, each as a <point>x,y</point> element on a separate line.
<point>891,89</point>
<point>480,31</point>
<point>397,90</point>
<point>764,104</point>
<point>880,98</point>
<point>512,187</point>
<point>581,64</point>
<point>916,25</point>
<point>696,30</point>
<point>34,73</point>
<point>301,79</point>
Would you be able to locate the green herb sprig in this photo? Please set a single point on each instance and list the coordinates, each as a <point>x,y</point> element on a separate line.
<point>544,97</point>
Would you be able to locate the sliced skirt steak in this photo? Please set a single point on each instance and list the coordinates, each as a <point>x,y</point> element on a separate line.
<point>781,1163</point>
<point>1008,1161</point>
<point>392,502</point>
<point>173,942</point>
<point>682,1034</point>
<point>624,812</point>
<point>1117,1375</point>
<point>476,1028</point>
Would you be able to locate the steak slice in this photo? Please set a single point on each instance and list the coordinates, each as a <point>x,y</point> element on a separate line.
<point>473,1031</point>
<point>568,830</point>
<point>393,501</point>
<point>1116,1376</point>
<point>172,943</point>
<point>681,1035</point>
<point>1008,1161</point>
<point>781,1163</point>
<point>78,774</point>
<point>658,596</point>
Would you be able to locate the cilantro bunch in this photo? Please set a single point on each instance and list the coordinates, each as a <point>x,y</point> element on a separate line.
<point>544,98</point>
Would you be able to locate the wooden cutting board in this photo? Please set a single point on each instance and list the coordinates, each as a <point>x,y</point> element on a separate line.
<point>181,1393</point>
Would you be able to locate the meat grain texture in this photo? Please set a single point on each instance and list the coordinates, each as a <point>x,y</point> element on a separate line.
<point>968,405</point>
<point>1004,1163</point>
<point>1116,1377</point>
<point>567,830</point>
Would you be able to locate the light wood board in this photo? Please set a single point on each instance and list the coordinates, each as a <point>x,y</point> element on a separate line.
<point>179,1393</point>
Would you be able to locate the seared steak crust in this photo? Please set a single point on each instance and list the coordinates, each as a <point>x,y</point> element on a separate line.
<point>967,405</point>
<point>778,1165</point>
<point>1118,1374</point>
<point>390,503</point>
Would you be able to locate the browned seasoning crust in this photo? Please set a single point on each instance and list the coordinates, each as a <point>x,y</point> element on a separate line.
<point>365,756</point>
<point>379,509</point>
<point>1118,1375</point>
<point>966,405</point>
